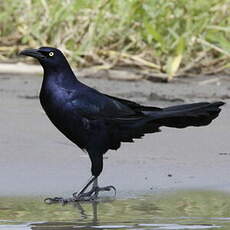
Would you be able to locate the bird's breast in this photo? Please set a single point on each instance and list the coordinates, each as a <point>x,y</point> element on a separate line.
<point>54,101</point>
<point>60,113</point>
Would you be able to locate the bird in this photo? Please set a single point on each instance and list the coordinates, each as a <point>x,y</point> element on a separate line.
<point>97,122</point>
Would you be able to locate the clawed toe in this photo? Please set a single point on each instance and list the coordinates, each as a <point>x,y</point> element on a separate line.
<point>107,188</point>
<point>56,200</point>
<point>63,201</point>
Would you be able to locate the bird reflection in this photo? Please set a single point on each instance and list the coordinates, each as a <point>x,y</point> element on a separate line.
<point>88,217</point>
<point>84,214</point>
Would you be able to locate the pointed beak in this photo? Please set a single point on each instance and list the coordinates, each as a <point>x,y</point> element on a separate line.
<point>32,53</point>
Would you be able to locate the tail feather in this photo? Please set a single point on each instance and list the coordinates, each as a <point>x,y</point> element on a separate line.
<point>181,116</point>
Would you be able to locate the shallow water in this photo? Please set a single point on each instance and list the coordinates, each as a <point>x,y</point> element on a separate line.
<point>177,210</point>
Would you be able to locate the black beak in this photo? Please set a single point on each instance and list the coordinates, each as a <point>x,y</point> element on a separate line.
<point>32,53</point>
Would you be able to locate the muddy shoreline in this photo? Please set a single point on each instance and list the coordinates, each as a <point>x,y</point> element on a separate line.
<point>37,160</point>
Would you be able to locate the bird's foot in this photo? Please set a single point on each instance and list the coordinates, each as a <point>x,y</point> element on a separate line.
<point>63,201</point>
<point>93,193</point>
<point>58,200</point>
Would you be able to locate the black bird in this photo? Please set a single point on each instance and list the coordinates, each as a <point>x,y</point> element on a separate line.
<point>97,122</point>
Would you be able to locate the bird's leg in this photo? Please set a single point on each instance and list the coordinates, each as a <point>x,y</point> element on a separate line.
<point>93,193</point>
<point>96,168</point>
<point>77,196</point>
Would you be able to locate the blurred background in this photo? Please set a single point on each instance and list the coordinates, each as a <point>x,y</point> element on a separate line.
<point>166,38</point>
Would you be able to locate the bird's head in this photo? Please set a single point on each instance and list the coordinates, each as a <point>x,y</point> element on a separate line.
<point>47,56</point>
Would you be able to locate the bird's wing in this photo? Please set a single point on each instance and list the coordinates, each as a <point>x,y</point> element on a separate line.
<point>135,106</point>
<point>94,105</point>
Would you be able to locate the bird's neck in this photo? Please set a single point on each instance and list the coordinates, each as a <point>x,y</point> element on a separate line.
<point>60,75</point>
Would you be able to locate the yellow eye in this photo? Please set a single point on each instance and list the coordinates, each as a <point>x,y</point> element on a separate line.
<point>51,54</point>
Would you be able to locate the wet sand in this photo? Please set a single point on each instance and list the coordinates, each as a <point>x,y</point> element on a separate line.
<point>36,159</point>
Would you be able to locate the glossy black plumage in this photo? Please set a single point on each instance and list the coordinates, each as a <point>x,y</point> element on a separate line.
<point>97,122</point>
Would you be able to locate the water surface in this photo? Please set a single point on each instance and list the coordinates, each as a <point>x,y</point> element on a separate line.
<point>177,210</point>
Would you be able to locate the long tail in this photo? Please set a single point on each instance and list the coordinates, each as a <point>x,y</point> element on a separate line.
<point>181,116</point>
